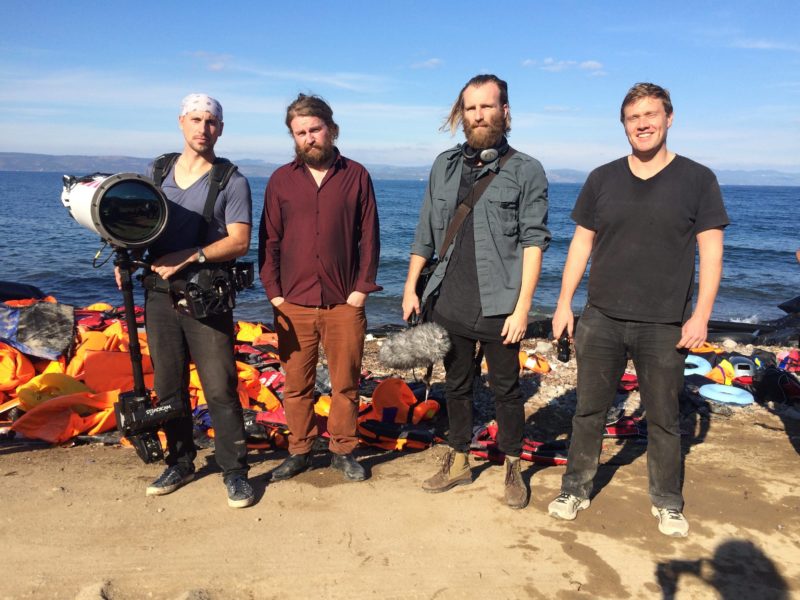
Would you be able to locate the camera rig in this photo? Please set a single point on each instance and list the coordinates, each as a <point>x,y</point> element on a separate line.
<point>139,413</point>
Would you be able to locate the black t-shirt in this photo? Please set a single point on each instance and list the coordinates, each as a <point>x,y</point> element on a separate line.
<point>642,263</point>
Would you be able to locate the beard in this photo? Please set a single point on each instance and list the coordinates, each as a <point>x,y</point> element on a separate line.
<point>487,135</point>
<point>315,156</point>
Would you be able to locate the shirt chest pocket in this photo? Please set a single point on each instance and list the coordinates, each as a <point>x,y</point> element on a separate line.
<point>440,212</point>
<point>503,209</point>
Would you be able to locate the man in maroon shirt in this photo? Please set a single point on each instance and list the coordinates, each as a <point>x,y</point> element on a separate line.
<point>318,251</point>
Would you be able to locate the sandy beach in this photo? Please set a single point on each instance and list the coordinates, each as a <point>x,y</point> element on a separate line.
<point>76,522</point>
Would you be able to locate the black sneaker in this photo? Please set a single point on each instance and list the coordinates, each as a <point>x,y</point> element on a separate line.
<point>240,493</point>
<point>294,465</point>
<point>170,480</point>
<point>353,471</point>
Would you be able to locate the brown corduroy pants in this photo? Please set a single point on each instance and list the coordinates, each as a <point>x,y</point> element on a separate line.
<point>341,330</point>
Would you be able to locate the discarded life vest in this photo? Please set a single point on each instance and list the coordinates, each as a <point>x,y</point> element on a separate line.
<point>46,386</point>
<point>42,329</point>
<point>394,402</point>
<point>484,445</point>
<point>15,368</point>
<point>395,436</point>
<point>533,362</point>
<point>392,421</point>
<point>628,383</point>
<point>625,427</point>
<point>60,419</point>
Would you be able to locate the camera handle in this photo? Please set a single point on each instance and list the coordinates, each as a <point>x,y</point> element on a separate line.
<point>122,259</point>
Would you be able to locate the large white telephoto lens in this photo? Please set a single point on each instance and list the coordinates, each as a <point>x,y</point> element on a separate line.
<point>127,210</point>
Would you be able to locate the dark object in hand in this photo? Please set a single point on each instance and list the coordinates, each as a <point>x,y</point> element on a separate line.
<point>563,348</point>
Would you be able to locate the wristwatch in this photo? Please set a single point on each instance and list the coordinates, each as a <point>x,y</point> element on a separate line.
<point>201,258</point>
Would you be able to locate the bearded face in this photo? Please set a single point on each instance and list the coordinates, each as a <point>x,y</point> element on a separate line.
<point>315,156</point>
<point>487,133</point>
<point>313,141</point>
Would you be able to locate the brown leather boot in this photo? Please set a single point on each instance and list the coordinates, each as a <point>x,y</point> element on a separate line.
<point>454,470</point>
<point>516,491</point>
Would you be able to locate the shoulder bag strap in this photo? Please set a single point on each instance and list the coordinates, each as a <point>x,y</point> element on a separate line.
<point>465,207</point>
<point>218,178</point>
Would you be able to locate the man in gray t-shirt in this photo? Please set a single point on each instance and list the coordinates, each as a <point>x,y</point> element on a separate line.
<point>174,337</point>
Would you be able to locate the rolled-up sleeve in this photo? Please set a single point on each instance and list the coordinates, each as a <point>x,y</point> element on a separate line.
<point>424,244</point>
<point>533,205</point>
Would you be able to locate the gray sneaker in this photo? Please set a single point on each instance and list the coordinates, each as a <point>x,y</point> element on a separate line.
<point>566,506</point>
<point>240,493</point>
<point>170,480</point>
<point>671,521</point>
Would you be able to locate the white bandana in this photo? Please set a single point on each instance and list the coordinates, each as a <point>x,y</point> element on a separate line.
<point>202,103</point>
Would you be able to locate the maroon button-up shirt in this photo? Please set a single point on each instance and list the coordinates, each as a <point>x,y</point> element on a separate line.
<point>319,244</point>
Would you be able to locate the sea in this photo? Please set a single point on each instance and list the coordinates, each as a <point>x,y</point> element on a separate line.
<point>42,246</point>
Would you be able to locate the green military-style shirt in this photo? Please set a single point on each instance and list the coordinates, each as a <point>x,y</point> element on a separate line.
<point>511,215</point>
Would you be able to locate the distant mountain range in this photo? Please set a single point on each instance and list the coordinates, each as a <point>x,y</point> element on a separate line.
<point>80,165</point>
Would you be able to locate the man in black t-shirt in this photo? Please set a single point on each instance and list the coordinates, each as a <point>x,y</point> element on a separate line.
<point>640,219</point>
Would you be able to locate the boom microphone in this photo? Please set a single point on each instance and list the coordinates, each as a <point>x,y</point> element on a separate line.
<point>418,346</point>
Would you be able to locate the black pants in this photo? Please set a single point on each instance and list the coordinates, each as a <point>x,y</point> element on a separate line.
<point>174,340</point>
<point>601,346</point>
<point>503,363</point>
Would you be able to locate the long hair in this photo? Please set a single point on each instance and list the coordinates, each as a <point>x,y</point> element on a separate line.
<point>312,106</point>
<point>646,90</point>
<point>456,116</point>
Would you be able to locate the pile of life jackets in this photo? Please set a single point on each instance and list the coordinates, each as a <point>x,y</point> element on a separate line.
<point>764,375</point>
<point>56,400</point>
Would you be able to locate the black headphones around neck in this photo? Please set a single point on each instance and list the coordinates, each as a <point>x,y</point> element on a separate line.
<point>486,155</point>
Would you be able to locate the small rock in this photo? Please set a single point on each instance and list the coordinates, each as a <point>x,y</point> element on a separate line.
<point>195,595</point>
<point>729,345</point>
<point>160,510</point>
<point>96,591</point>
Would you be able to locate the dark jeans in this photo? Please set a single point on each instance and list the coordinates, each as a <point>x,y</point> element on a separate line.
<point>602,345</point>
<point>503,363</point>
<point>175,339</point>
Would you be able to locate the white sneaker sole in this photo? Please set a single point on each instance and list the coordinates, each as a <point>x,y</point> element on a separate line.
<point>241,503</point>
<point>583,505</point>
<point>664,530</point>
<point>163,491</point>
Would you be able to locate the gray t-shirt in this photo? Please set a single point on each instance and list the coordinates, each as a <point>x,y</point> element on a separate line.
<point>185,220</point>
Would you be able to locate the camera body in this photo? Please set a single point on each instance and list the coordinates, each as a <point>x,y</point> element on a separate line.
<point>563,348</point>
<point>209,290</point>
<point>139,419</point>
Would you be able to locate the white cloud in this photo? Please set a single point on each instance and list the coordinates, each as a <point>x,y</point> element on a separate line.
<point>591,65</point>
<point>431,63</point>
<point>353,82</point>
<point>214,62</point>
<point>765,45</point>
<point>552,65</point>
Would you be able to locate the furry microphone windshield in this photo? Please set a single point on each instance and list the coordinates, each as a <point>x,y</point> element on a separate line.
<point>417,346</point>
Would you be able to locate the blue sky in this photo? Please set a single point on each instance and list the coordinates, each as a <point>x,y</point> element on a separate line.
<point>107,77</point>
